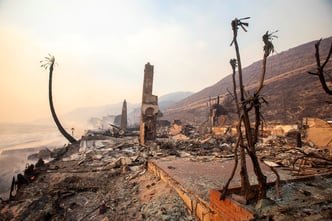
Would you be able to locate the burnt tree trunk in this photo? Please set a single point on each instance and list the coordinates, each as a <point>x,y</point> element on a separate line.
<point>245,184</point>
<point>247,104</point>
<point>320,68</point>
<point>55,118</point>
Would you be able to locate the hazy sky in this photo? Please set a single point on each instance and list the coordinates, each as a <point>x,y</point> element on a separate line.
<point>101,46</point>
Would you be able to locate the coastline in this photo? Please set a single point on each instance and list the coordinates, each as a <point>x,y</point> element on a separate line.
<point>20,140</point>
<point>17,143</point>
<point>13,162</point>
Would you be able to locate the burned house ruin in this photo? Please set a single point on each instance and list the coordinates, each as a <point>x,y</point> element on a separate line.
<point>149,108</point>
<point>217,114</point>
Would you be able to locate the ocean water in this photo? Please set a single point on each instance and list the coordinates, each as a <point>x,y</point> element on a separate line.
<point>17,142</point>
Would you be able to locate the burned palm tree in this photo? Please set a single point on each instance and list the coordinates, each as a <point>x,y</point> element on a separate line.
<point>245,105</point>
<point>49,63</point>
<point>245,185</point>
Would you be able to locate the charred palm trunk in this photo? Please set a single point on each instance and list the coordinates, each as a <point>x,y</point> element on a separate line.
<point>247,104</point>
<point>245,184</point>
<point>55,118</point>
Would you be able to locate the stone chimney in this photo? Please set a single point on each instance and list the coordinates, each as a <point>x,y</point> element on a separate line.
<point>123,124</point>
<point>149,107</point>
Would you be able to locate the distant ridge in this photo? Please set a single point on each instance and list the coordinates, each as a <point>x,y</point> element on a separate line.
<point>167,100</point>
<point>84,114</point>
<point>290,91</point>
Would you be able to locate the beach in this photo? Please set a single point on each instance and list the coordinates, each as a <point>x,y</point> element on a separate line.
<point>17,142</point>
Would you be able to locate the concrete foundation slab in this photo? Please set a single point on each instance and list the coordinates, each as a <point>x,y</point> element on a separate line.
<point>200,176</point>
<point>199,181</point>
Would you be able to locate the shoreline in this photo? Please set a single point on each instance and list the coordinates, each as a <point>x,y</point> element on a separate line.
<point>20,140</point>
<point>14,161</point>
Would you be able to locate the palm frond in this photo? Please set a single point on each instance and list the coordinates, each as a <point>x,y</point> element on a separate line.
<point>244,18</point>
<point>47,62</point>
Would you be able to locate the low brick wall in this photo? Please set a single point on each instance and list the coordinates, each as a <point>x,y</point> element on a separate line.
<point>197,206</point>
<point>217,210</point>
<point>228,209</point>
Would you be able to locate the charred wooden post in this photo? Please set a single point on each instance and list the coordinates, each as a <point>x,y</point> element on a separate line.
<point>298,140</point>
<point>12,188</point>
<point>149,108</point>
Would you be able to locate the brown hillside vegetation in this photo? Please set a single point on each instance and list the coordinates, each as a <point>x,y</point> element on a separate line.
<point>290,91</point>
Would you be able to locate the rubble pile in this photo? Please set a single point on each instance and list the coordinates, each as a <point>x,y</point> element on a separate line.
<point>106,178</point>
<point>307,160</point>
<point>309,199</point>
<point>99,179</point>
<point>187,147</point>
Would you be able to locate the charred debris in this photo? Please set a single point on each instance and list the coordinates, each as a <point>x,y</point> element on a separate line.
<point>107,175</point>
<point>105,172</point>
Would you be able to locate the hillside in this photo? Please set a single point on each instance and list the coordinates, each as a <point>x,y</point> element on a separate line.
<point>169,99</point>
<point>289,90</point>
<point>82,116</point>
